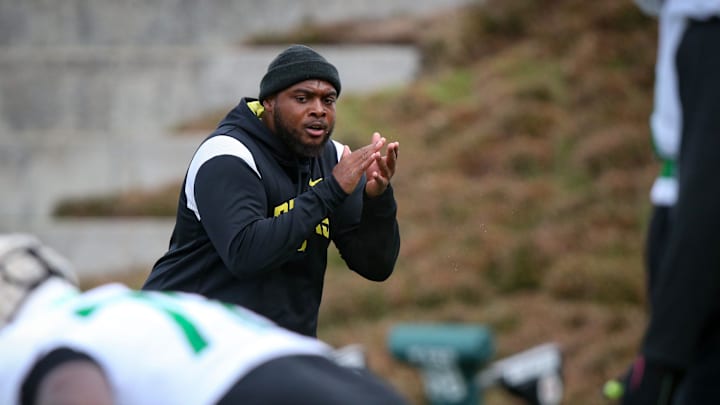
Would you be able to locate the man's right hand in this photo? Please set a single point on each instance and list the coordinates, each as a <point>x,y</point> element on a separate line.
<point>352,165</point>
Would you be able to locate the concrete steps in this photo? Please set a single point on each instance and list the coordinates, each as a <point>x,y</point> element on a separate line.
<point>90,96</point>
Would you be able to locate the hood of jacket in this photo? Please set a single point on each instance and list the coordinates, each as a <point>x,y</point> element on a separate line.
<point>246,117</point>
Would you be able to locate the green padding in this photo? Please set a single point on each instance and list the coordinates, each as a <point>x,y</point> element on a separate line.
<point>433,343</point>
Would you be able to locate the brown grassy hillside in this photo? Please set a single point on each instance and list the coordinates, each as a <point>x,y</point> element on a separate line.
<point>522,186</point>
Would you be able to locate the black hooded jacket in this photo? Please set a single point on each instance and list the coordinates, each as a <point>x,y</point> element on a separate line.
<point>254,222</point>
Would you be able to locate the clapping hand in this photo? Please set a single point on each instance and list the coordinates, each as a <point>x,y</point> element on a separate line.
<point>367,160</point>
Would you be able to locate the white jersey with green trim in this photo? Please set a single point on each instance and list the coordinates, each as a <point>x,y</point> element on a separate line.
<point>666,120</point>
<point>155,347</point>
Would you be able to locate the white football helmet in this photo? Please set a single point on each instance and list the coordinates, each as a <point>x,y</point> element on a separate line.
<point>25,263</point>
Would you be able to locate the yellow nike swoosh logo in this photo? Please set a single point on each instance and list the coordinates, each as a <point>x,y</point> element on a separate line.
<point>314,182</point>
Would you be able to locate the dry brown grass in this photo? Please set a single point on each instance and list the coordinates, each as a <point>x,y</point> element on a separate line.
<point>522,186</point>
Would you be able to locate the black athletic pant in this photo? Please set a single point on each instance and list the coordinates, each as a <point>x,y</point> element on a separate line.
<point>311,380</point>
<point>684,241</point>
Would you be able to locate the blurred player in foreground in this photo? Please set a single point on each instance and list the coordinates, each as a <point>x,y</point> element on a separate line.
<point>114,345</point>
<point>678,361</point>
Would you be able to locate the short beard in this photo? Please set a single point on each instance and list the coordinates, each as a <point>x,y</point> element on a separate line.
<point>291,138</point>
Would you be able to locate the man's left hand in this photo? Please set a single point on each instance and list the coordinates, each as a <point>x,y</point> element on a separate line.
<point>380,171</point>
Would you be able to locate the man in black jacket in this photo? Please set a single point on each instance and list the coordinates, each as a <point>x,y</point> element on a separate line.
<point>268,190</point>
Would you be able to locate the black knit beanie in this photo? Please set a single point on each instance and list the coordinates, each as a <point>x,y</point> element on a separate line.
<point>296,64</point>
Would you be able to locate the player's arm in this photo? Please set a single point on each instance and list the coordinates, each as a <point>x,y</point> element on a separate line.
<point>66,377</point>
<point>370,244</point>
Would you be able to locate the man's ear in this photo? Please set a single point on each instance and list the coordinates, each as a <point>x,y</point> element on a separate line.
<point>268,111</point>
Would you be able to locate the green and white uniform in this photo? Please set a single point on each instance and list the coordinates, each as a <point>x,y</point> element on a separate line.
<point>155,348</point>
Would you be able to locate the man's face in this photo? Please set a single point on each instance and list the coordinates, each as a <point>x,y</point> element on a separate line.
<point>303,116</point>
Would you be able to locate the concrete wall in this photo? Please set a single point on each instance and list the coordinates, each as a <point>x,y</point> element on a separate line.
<point>121,64</point>
<point>126,88</point>
<point>178,22</point>
<point>90,91</point>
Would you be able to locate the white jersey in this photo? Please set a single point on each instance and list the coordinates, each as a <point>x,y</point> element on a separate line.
<point>666,119</point>
<point>155,347</point>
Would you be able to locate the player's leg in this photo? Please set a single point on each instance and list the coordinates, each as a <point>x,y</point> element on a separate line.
<point>698,209</point>
<point>655,245</point>
<point>700,385</point>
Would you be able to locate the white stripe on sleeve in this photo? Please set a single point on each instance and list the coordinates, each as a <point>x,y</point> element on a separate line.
<point>215,146</point>
<point>339,148</point>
